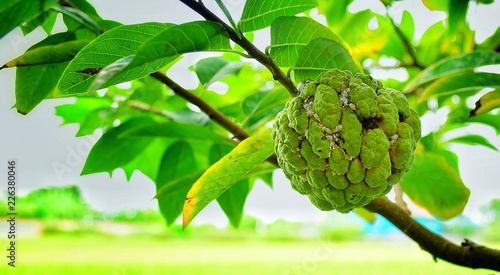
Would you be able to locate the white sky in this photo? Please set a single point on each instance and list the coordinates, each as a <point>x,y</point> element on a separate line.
<point>38,143</point>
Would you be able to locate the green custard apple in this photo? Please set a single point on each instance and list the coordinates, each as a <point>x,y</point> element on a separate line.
<point>345,139</point>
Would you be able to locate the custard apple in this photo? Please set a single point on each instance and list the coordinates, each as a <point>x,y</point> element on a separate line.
<point>345,139</point>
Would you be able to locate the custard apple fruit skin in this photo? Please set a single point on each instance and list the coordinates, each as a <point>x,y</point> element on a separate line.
<point>345,139</point>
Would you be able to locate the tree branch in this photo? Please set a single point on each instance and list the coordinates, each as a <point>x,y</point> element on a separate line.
<point>238,132</point>
<point>468,254</point>
<point>212,113</point>
<point>258,55</point>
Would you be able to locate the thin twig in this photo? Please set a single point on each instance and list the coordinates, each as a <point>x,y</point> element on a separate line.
<point>468,254</point>
<point>263,59</point>
<point>407,44</point>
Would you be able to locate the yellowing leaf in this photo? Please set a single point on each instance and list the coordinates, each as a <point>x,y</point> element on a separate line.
<point>226,172</point>
<point>487,103</point>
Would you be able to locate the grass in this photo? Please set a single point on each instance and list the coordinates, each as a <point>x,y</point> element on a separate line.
<point>98,254</point>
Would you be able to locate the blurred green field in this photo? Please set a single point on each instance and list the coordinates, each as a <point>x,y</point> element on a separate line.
<point>100,254</point>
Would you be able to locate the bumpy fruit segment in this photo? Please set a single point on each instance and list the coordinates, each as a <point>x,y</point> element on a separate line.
<point>345,139</point>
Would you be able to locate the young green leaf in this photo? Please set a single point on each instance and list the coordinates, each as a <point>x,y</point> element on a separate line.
<point>106,49</point>
<point>474,140</point>
<point>227,14</point>
<point>458,83</point>
<point>486,103</point>
<point>178,161</point>
<point>434,183</point>
<point>14,12</point>
<point>79,17</point>
<point>212,69</point>
<point>89,112</point>
<point>290,35</point>
<point>453,65</point>
<point>226,172</point>
<point>407,25</point>
<point>262,105</point>
<point>113,151</point>
<point>258,14</point>
<point>323,54</point>
<point>232,201</point>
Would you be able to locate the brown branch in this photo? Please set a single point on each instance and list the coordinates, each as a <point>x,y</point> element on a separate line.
<point>253,51</point>
<point>468,254</point>
<point>238,132</point>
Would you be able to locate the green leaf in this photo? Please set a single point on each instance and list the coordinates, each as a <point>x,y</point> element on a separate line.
<point>15,12</point>
<point>80,17</point>
<point>435,184</point>
<point>49,23</point>
<point>30,26</point>
<point>488,119</point>
<point>486,103</point>
<point>106,49</point>
<point>232,201</point>
<point>65,51</point>
<point>290,35</point>
<point>212,69</point>
<point>321,55</point>
<point>431,46</point>
<point>178,161</point>
<point>114,149</point>
<point>261,105</point>
<point>88,112</point>
<point>178,184</point>
<point>492,42</point>
<point>365,41</point>
<point>457,14</point>
<point>84,6</point>
<point>148,161</point>
<point>36,82</point>
<point>440,5</point>
<point>473,140</point>
<point>226,13</point>
<point>188,37</point>
<point>453,65</point>
<point>183,131</point>
<point>258,14</point>
<point>334,11</point>
<point>407,25</point>
<point>458,83</point>
<point>226,172</point>
<point>109,72</point>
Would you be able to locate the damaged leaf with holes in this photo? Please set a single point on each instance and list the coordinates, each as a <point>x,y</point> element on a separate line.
<point>345,139</point>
